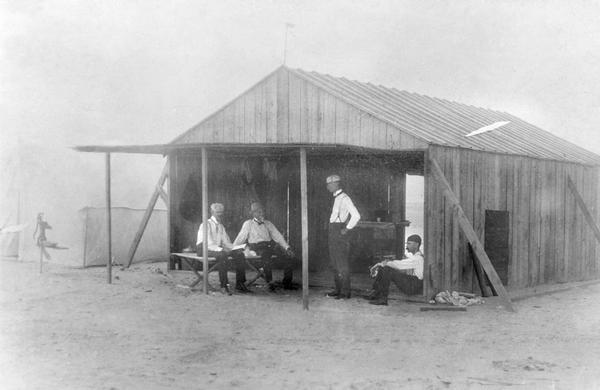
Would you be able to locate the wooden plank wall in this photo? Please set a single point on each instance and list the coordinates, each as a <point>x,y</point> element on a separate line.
<point>286,109</point>
<point>549,239</point>
<point>233,181</point>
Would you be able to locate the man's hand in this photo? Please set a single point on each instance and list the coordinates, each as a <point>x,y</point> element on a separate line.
<point>289,252</point>
<point>343,231</point>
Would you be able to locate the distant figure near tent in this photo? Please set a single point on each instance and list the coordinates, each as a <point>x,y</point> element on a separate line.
<point>42,240</point>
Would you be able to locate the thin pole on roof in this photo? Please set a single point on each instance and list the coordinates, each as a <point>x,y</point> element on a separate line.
<point>304,212</point>
<point>204,221</point>
<point>108,221</point>
<point>287,27</point>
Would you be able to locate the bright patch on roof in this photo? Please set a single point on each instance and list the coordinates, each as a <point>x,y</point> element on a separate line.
<point>491,127</point>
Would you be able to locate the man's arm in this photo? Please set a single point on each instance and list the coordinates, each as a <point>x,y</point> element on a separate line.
<point>354,214</point>
<point>212,240</point>
<point>242,236</point>
<point>226,241</point>
<point>402,264</point>
<point>276,236</point>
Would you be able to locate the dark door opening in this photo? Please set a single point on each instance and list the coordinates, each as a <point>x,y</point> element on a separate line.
<point>496,241</point>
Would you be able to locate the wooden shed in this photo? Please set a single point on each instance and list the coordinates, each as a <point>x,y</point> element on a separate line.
<point>529,196</point>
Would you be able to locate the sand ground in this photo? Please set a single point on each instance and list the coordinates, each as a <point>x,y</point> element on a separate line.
<point>68,329</point>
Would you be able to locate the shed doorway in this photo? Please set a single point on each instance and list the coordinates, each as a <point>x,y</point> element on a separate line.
<point>496,241</point>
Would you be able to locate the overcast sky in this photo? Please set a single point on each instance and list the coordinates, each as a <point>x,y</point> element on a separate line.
<point>100,72</point>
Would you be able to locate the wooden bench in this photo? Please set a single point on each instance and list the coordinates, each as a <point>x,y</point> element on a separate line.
<point>192,260</point>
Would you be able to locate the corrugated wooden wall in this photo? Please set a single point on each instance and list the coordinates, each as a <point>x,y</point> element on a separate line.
<point>549,239</point>
<point>286,109</point>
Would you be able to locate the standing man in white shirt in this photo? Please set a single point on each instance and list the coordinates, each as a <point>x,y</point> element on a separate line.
<point>344,217</point>
<point>263,238</point>
<point>220,247</point>
<point>407,274</point>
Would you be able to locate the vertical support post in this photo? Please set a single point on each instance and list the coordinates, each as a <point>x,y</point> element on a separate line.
<point>287,203</point>
<point>204,221</point>
<point>304,211</point>
<point>108,221</point>
<point>22,231</point>
<point>397,205</point>
<point>41,254</point>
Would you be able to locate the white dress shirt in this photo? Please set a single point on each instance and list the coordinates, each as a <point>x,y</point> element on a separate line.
<point>342,207</point>
<point>253,231</point>
<point>217,236</point>
<point>414,262</point>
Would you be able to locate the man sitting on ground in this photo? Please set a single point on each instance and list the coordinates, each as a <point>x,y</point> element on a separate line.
<point>220,247</point>
<point>264,239</point>
<point>407,274</point>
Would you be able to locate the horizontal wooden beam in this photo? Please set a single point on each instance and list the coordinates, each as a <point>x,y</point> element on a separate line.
<point>262,148</point>
<point>470,234</point>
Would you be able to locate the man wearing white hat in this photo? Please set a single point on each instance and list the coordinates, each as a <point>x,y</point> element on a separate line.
<point>220,247</point>
<point>263,238</point>
<point>344,217</point>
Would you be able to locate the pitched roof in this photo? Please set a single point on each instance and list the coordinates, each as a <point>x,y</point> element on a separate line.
<point>444,122</point>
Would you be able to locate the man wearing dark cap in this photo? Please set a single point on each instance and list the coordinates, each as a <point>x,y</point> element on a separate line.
<point>407,274</point>
<point>263,238</point>
<point>344,217</point>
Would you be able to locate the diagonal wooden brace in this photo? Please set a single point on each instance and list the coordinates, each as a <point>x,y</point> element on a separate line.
<point>583,207</point>
<point>470,234</point>
<point>158,191</point>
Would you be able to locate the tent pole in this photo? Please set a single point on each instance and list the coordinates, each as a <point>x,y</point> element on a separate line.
<point>41,255</point>
<point>304,208</point>
<point>204,221</point>
<point>108,220</point>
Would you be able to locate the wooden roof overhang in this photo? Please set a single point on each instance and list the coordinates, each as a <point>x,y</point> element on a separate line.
<point>238,149</point>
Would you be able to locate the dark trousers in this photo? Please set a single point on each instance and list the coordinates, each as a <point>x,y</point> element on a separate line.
<point>266,249</point>
<point>237,257</point>
<point>408,284</point>
<point>339,252</point>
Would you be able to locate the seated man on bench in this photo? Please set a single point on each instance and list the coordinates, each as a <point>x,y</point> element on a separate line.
<point>263,238</point>
<point>220,247</point>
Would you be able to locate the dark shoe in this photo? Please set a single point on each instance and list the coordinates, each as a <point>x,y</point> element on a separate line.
<point>241,288</point>
<point>343,296</point>
<point>332,294</point>
<point>225,290</point>
<point>372,296</point>
<point>379,302</point>
<point>272,286</point>
<point>289,286</point>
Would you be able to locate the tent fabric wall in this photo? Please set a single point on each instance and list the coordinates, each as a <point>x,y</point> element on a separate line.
<point>125,223</point>
<point>9,244</point>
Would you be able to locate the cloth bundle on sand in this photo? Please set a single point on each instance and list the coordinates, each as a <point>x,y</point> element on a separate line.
<point>457,299</point>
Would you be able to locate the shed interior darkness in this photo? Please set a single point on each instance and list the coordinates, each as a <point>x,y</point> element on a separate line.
<point>375,181</point>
